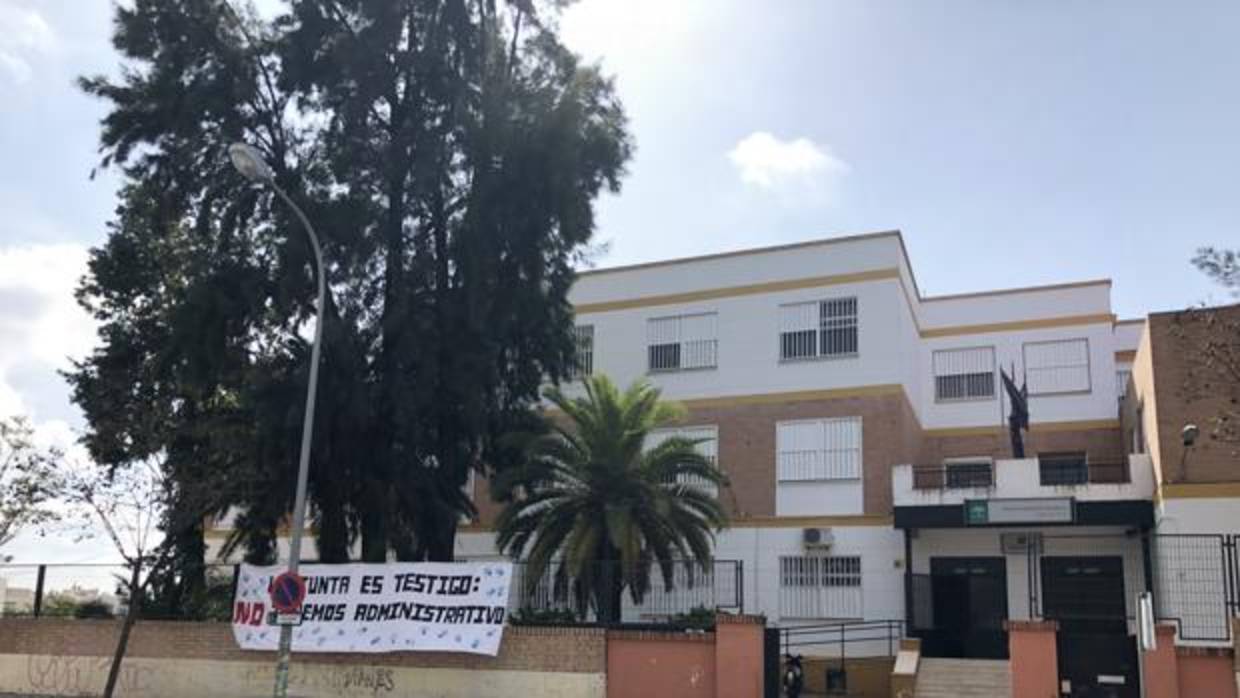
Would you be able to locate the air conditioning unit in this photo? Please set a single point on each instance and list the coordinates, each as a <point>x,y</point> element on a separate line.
<point>817,537</point>
<point>1020,543</point>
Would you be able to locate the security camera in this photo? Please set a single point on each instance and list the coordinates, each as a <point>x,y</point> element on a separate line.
<point>1189,434</point>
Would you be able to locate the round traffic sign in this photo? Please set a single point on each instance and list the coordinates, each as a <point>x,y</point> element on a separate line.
<point>288,590</point>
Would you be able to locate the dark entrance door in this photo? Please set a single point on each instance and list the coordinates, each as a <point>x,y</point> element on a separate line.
<point>969,596</point>
<point>1097,657</point>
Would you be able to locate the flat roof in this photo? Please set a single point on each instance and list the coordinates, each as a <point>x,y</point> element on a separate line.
<point>845,239</point>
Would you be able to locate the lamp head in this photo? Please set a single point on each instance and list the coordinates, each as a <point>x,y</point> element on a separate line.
<point>1189,434</point>
<point>249,162</point>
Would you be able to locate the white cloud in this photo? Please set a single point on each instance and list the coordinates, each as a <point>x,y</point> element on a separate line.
<point>799,169</point>
<point>41,326</point>
<point>23,34</point>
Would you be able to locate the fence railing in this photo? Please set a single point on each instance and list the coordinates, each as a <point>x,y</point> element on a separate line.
<point>1051,472</point>
<point>953,476</point>
<point>691,588</point>
<point>836,638</point>
<point>1080,472</point>
<point>96,590</point>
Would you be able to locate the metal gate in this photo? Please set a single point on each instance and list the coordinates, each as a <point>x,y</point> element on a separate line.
<point>1087,597</point>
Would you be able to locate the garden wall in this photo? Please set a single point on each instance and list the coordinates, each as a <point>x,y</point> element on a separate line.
<point>55,657</point>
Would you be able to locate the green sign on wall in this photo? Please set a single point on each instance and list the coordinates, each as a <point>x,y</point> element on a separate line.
<point>976,512</point>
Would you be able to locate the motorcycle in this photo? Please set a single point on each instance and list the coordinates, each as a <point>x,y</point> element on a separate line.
<point>794,676</point>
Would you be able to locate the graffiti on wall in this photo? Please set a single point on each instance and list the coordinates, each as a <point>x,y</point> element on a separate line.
<point>82,675</point>
<point>347,680</point>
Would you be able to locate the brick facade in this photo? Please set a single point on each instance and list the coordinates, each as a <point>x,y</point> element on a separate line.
<point>891,435</point>
<point>1173,397</point>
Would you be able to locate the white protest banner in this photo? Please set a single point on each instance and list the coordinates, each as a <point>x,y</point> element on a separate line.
<point>392,607</point>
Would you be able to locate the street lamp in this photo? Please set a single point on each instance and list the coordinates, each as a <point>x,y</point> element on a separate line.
<point>249,162</point>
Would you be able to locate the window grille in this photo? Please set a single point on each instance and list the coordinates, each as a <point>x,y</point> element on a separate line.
<point>1057,367</point>
<point>583,337</point>
<point>826,328</point>
<point>682,342</point>
<point>819,449</point>
<point>820,586</point>
<point>964,374</point>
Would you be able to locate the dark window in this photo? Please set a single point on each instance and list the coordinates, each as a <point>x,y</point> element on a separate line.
<point>802,344</point>
<point>963,386</point>
<point>664,357</point>
<point>969,474</point>
<point>1063,468</point>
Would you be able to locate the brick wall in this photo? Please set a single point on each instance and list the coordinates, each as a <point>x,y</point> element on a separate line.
<point>574,650</point>
<point>891,433</point>
<point>1174,341</point>
<point>200,660</point>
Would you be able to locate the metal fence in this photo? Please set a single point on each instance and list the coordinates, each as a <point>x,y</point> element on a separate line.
<point>692,587</point>
<point>1197,583</point>
<point>97,590</point>
<point>93,590</point>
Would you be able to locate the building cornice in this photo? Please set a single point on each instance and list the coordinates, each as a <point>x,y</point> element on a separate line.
<point>737,291</point>
<point>1036,324</point>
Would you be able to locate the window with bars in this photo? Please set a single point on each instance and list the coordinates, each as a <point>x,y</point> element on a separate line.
<point>1057,367</point>
<point>583,337</point>
<point>818,449</point>
<point>681,342</point>
<point>964,374</point>
<point>820,586</point>
<point>826,328</point>
<point>1067,468</point>
<point>968,472</point>
<point>707,438</point>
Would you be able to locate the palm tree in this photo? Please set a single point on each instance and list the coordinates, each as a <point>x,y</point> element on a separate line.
<point>590,495</point>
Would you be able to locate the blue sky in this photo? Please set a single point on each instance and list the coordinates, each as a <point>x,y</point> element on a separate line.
<point>1013,143</point>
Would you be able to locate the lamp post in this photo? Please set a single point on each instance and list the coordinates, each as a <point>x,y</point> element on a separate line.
<point>249,162</point>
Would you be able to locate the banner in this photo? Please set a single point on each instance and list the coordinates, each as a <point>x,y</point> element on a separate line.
<point>393,607</point>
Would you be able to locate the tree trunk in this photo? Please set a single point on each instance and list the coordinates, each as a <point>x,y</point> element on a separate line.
<point>608,591</point>
<point>442,547</point>
<point>131,616</point>
<point>375,531</point>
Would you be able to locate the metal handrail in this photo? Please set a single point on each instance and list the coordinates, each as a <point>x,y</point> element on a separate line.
<point>843,633</point>
<point>1090,472</point>
<point>947,476</point>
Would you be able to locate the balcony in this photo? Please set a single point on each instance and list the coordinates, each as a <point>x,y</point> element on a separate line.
<point>1052,476</point>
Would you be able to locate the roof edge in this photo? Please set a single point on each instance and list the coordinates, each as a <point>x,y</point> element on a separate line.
<point>748,251</point>
<point>1019,289</point>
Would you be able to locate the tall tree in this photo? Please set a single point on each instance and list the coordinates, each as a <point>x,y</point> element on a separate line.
<point>591,495</point>
<point>449,151</point>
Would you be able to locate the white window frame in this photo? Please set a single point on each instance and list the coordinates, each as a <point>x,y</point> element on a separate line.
<point>695,336</point>
<point>821,586</point>
<point>1122,375</point>
<point>936,375</point>
<point>815,319</point>
<point>708,446</point>
<point>583,339</point>
<point>1087,365</point>
<point>827,463</point>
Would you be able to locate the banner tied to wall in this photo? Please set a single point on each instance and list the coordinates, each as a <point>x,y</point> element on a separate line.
<point>393,607</point>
